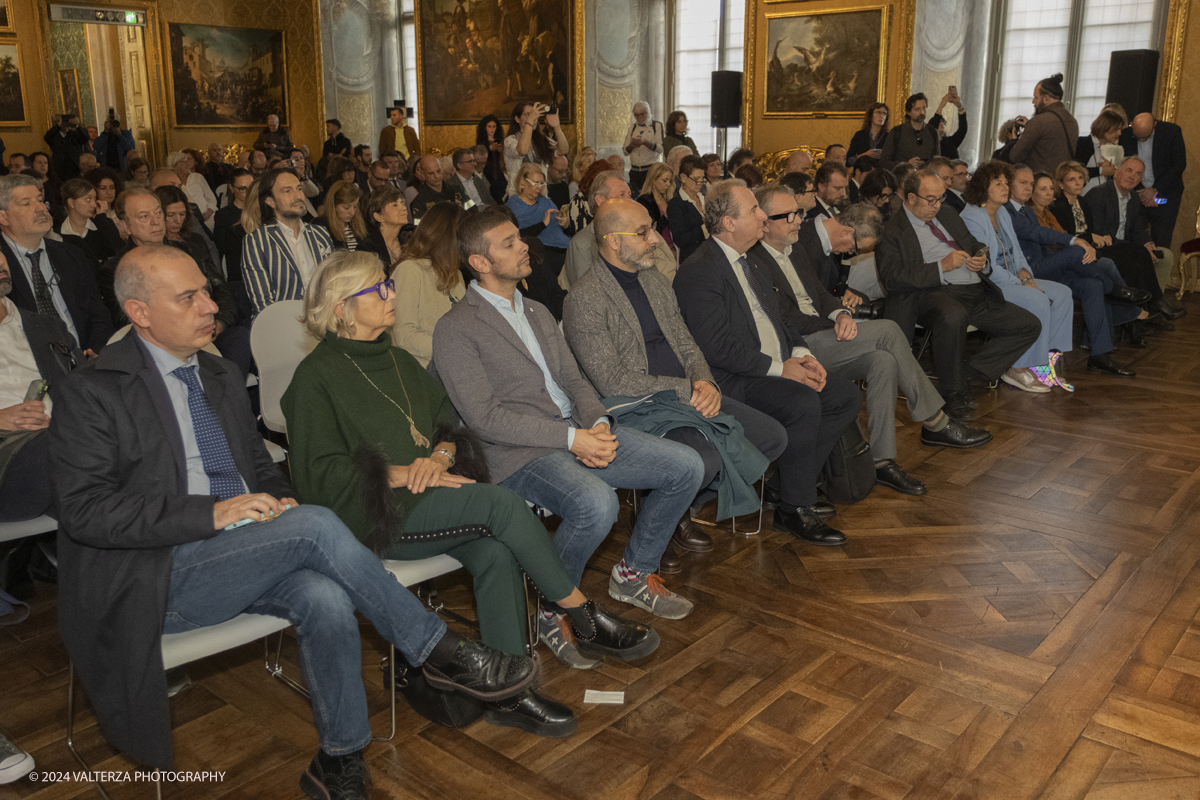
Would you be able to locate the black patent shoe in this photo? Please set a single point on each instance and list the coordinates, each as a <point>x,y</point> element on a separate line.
<point>601,633</point>
<point>336,777</point>
<point>1106,365</point>
<point>955,435</point>
<point>824,510</point>
<point>1128,294</point>
<point>534,714</point>
<point>804,524</point>
<point>482,672</point>
<point>890,474</point>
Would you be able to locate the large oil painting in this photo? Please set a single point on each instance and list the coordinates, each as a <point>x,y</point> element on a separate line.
<point>12,87</point>
<point>480,57</point>
<point>227,77</point>
<point>825,63</point>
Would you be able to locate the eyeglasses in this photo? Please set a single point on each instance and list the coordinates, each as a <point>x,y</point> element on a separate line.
<point>790,216</point>
<point>886,196</point>
<point>535,183</point>
<point>384,289</point>
<point>933,201</point>
<point>644,235</point>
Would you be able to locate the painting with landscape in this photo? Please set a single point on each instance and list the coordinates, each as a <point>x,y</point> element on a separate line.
<point>825,62</point>
<point>480,57</point>
<point>227,76</point>
<point>12,90</point>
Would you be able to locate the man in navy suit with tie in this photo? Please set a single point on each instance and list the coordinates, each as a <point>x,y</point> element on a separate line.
<point>757,353</point>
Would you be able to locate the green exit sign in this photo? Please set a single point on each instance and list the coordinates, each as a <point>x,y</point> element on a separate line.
<point>131,18</point>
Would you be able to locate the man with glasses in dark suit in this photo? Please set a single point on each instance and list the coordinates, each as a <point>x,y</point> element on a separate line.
<point>936,275</point>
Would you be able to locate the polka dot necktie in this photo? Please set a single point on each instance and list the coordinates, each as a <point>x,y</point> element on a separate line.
<point>41,289</point>
<point>224,479</point>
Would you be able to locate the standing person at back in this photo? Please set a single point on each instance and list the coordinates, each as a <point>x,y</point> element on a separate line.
<point>1160,146</point>
<point>913,140</point>
<point>643,144</point>
<point>1051,134</point>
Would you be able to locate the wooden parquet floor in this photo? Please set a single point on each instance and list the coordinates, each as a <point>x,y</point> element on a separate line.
<point>1027,630</point>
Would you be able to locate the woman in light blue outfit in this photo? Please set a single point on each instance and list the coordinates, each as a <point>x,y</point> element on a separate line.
<point>1050,302</point>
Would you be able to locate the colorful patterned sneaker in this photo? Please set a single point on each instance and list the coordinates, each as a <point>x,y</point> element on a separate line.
<point>1055,356</point>
<point>648,592</point>
<point>15,763</point>
<point>555,633</point>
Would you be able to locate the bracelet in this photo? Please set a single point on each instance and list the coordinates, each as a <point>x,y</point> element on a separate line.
<point>446,453</point>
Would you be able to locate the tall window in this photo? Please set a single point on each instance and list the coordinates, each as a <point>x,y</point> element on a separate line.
<point>697,55</point>
<point>1039,41</point>
<point>408,70</point>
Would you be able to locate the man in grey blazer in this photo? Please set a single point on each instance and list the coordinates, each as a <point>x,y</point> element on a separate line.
<point>623,323</point>
<point>872,350</point>
<point>546,434</point>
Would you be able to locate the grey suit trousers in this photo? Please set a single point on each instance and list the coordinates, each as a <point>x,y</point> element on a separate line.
<point>881,356</point>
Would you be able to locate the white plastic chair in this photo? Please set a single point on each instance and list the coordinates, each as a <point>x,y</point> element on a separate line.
<point>279,342</point>
<point>183,648</point>
<point>27,527</point>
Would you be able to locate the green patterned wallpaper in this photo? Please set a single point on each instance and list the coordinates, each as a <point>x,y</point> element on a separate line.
<point>68,42</point>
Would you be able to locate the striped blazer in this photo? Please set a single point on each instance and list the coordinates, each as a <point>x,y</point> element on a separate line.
<point>268,266</point>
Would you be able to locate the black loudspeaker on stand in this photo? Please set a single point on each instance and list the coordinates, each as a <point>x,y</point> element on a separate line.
<point>726,101</point>
<point>1132,75</point>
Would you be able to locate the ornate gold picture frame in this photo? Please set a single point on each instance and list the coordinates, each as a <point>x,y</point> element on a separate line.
<point>13,94</point>
<point>6,15</point>
<point>471,64</point>
<point>224,77</point>
<point>824,63</point>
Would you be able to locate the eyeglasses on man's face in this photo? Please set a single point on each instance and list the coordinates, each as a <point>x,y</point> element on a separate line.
<point>790,216</point>
<point>643,234</point>
<point>933,201</point>
<point>385,289</point>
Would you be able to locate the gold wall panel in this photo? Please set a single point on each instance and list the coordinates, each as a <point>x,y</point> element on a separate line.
<point>613,104</point>
<point>1179,101</point>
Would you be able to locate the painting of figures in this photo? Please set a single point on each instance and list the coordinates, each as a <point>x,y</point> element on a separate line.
<point>227,76</point>
<point>480,57</point>
<point>825,63</point>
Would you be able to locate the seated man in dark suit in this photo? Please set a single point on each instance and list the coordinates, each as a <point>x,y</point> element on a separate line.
<point>1117,211</point>
<point>935,276</point>
<point>758,354</point>
<point>148,476</point>
<point>547,436</point>
<point>866,350</point>
<point>625,329</point>
<point>49,277</point>
<point>1161,147</point>
<point>832,181</point>
<point>33,347</point>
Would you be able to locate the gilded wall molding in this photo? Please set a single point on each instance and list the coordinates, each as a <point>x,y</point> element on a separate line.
<point>1172,67</point>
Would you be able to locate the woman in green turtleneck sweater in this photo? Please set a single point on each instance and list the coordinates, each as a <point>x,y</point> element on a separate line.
<point>373,438</point>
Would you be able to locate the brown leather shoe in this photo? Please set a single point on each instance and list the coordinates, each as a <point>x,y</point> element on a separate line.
<point>670,563</point>
<point>689,537</point>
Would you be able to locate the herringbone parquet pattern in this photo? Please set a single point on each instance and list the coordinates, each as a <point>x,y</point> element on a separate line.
<point>1027,630</point>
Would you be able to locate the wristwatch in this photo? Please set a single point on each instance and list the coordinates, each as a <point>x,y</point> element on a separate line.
<point>447,454</point>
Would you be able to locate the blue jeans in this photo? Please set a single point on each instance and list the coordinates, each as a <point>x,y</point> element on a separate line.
<point>305,567</point>
<point>586,500</point>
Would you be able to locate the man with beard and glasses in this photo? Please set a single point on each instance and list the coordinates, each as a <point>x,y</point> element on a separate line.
<point>913,140</point>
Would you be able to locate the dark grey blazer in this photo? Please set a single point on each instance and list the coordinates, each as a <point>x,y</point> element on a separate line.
<point>904,273</point>
<point>1106,214</point>
<point>54,350</point>
<point>120,486</point>
<point>500,391</point>
<point>606,336</point>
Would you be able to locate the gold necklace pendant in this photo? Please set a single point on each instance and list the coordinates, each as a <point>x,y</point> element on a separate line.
<point>418,437</point>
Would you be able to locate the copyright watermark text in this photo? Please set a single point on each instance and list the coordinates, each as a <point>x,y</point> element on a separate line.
<point>127,777</point>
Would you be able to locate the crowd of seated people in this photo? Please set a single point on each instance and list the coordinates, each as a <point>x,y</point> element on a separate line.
<point>559,325</point>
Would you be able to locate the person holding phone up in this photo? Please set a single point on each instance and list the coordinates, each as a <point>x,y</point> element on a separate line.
<point>643,144</point>
<point>527,143</point>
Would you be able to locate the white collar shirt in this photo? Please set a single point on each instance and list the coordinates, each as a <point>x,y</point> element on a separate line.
<point>47,270</point>
<point>18,367</point>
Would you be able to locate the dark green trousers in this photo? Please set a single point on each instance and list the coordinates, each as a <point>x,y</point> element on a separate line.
<point>503,537</point>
